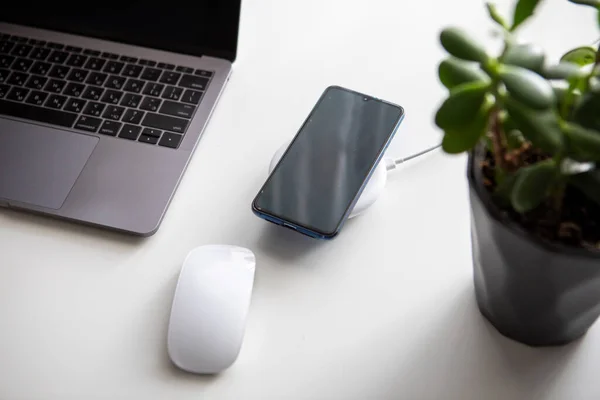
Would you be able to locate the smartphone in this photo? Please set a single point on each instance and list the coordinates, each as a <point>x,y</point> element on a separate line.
<point>321,175</point>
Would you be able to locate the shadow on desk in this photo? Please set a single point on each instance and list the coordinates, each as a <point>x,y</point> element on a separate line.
<point>285,245</point>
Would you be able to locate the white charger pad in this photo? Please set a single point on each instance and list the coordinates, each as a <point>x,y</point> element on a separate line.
<point>370,194</point>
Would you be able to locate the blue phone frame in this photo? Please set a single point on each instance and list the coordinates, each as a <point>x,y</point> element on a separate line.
<point>310,232</point>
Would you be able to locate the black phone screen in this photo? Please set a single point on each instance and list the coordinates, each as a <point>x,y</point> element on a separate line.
<point>328,162</point>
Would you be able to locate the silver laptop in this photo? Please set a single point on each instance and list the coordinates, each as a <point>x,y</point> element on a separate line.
<point>100,112</point>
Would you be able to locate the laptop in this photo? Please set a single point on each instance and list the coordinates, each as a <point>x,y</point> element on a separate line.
<point>102,105</point>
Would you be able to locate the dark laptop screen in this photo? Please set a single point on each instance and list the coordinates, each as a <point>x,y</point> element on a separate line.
<point>201,27</point>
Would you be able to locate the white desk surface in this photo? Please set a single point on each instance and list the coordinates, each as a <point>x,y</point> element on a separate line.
<point>385,311</point>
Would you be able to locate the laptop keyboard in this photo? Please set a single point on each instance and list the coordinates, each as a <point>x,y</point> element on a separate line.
<point>93,92</point>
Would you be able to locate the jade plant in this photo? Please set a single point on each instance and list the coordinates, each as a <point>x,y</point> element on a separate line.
<point>536,122</point>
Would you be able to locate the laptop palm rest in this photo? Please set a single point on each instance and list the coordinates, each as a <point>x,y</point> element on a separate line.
<point>39,165</point>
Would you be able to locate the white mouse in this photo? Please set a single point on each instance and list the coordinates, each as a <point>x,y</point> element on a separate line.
<point>208,315</point>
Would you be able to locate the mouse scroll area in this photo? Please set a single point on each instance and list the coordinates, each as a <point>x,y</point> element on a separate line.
<point>210,305</point>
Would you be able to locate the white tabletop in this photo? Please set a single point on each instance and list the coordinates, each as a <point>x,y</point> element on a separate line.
<point>384,311</point>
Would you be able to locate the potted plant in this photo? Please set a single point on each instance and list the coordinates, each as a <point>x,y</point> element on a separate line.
<point>531,129</point>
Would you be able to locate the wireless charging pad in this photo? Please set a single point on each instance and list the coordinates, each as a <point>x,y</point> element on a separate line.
<point>370,194</point>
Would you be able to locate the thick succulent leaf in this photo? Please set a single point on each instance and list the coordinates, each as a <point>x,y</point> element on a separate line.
<point>454,72</point>
<point>527,56</point>
<point>573,167</point>
<point>528,87</point>
<point>583,144</point>
<point>523,10</point>
<point>587,113</point>
<point>564,70</point>
<point>533,184</point>
<point>495,15</point>
<point>459,44</point>
<point>580,56</point>
<point>461,107</point>
<point>539,127</point>
<point>592,3</point>
<point>588,183</point>
<point>464,139</point>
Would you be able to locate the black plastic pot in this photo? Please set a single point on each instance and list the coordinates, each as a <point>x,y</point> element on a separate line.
<point>535,292</point>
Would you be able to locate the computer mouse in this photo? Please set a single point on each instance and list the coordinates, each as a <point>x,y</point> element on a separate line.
<point>210,305</point>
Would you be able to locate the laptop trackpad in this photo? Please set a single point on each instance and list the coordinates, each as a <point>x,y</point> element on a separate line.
<point>39,165</point>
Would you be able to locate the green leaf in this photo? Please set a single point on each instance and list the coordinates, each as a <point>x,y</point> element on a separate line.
<point>453,72</point>
<point>523,10</point>
<point>539,127</point>
<point>461,107</point>
<point>495,15</point>
<point>502,193</point>
<point>588,184</point>
<point>573,167</point>
<point>525,55</point>
<point>593,3</point>
<point>564,70</point>
<point>587,113</point>
<point>583,144</point>
<point>465,138</point>
<point>580,56</point>
<point>532,185</point>
<point>459,44</point>
<point>528,87</point>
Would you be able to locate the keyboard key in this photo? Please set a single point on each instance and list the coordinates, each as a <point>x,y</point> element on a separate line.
<point>21,50</point>
<point>6,60</point>
<point>133,85</point>
<point>115,82</point>
<point>114,67</point>
<point>58,57</point>
<point>40,68</point>
<point>204,73</point>
<point>151,74</point>
<point>46,115</point>
<point>3,90</point>
<point>37,98</point>
<point>73,49</point>
<point>6,47</point>
<point>96,78</point>
<point>76,60</point>
<point>56,46</point>
<point>132,71</point>
<point>177,109</point>
<point>170,140</point>
<point>17,94</point>
<point>19,39</point>
<point>187,70</point>
<point>152,132</point>
<point>40,53</point>
<point>75,105</point>
<point>193,82</point>
<point>133,116</point>
<point>78,75</point>
<point>129,59</point>
<point>92,93</point>
<point>110,56</point>
<point>131,100</point>
<point>95,63</point>
<point>17,79</point>
<point>150,104</point>
<point>94,109</point>
<point>36,42</point>
<point>74,89</point>
<point>88,124</point>
<point>112,97</point>
<point>165,123</point>
<point>172,93</point>
<point>130,132</point>
<point>153,89</point>
<point>4,73</point>
<point>113,112</point>
<point>147,62</point>
<point>191,96</point>
<point>22,64</point>
<point>59,71</point>
<point>36,82</point>
<point>170,78</point>
<point>55,86</point>
<point>90,52</point>
<point>170,67</point>
<point>110,128</point>
<point>56,101</point>
<point>148,139</point>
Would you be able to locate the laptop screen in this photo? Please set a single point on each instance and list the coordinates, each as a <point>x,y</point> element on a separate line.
<point>201,27</point>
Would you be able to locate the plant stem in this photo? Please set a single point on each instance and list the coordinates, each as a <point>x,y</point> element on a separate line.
<point>497,138</point>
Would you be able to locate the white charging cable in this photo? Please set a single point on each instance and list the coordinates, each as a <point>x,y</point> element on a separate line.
<point>391,163</point>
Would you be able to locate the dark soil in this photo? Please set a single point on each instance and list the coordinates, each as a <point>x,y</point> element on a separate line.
<point>577,224</point>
